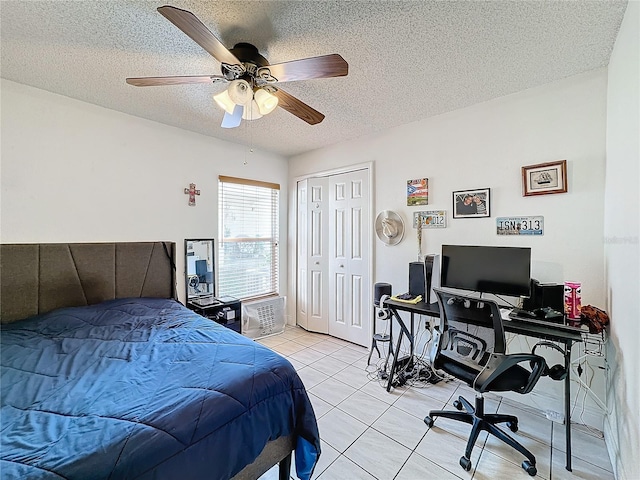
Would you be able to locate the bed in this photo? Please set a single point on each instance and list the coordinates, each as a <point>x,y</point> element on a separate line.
<point>106,375</point>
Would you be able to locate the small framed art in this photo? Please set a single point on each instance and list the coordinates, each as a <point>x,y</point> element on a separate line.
<point>472,203</point>
<point>544,178</point>
<point>418,192</point>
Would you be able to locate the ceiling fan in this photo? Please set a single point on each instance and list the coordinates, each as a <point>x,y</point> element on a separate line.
<point>253,89</point>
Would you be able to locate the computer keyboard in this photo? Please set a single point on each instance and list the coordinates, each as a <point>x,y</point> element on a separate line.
<point>542,313</point>
<point>521,313</point>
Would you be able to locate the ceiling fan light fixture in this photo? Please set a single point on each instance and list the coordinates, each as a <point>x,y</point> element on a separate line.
<point>240,92</point>
<point>266,101</point>
<point>250,69</point>
<point>252,111</point>
<point>224,101</point>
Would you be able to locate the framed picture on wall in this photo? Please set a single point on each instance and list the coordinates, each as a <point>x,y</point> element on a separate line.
<point>418,192</point>
<point>472,203</point>
<point>544,178</point>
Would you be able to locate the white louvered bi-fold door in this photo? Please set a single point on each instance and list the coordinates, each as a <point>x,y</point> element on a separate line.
<point>349,295</point>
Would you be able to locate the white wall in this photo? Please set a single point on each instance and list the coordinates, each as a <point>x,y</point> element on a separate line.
<point>76,172</point>
<point>621,233</point>
<point>485,146</point>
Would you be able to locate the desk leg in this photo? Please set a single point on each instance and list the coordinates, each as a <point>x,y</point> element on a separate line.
<point>411,338</point>
<point>567,402</point>
<point>395,362</point>
<point>403,331</point>
<point>386,360</point>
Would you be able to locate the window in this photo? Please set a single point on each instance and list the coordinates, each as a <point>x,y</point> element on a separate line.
<point>248,246</point>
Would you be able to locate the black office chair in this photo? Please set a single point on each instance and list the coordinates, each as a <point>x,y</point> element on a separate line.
<point>469,344</point>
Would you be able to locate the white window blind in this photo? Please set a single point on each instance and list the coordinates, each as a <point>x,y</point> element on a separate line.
<point>248,246</point>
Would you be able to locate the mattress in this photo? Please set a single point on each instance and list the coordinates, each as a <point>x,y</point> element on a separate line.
<point>143,388</point>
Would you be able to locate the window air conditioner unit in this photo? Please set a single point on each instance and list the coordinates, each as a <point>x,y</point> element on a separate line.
<point>263,318</point>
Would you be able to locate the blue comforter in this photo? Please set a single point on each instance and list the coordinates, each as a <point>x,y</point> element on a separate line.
<point>143,388</point>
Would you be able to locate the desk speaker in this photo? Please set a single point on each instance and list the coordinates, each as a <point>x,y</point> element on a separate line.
<point>545,295</point>
<point>431,277</point>
<point>416,279</point>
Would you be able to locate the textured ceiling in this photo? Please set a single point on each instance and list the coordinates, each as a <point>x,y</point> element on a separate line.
<point>407,60</point>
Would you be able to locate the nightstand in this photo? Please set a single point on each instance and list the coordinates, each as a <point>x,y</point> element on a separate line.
<point>226,311</point>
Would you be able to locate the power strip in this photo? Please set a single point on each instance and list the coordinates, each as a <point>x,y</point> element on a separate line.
<point>405,362</point>
<point>554,416</point>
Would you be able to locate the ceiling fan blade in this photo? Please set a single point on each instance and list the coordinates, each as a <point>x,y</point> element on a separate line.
<point>233,120</point>
<point>178,80</point>
<point>199,33</point>
<point>296,107</point>
<point>326,66</point>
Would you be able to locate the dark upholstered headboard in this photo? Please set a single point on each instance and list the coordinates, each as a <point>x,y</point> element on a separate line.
<point>38,278</point>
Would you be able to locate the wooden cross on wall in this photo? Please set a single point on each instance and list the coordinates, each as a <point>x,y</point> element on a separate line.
<point>192,192</point>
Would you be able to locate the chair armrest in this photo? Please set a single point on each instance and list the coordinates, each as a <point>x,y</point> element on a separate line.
<point>537,364</point>
<point>499,364</point>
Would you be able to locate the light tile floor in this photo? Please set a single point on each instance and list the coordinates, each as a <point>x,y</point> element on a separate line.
<point>369,433</point>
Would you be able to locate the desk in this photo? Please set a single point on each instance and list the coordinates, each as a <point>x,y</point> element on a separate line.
<point>552,332</point>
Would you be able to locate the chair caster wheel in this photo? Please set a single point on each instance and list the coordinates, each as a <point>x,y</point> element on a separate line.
<point>465,463</point>
<point>457,404</point>
<point>530,469</point>
<point>428,421</point>
<point>513,426</point>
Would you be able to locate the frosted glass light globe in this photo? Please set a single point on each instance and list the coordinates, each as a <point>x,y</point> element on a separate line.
<point>240,92</point>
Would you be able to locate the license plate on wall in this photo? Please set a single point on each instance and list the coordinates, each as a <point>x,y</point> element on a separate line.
<point>520,225</point>
<point>431,219</point>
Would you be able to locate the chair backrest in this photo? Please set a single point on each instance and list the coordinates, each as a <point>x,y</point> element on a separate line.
<point>470,330</point>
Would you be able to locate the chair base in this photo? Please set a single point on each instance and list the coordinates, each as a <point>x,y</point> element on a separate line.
<point>480,421</point>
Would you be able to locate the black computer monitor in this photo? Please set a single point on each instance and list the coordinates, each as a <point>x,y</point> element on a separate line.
<point>496,270</point>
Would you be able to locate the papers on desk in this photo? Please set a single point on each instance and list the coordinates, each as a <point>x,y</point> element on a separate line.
<point>412,301</point>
